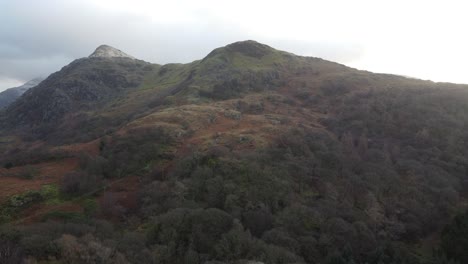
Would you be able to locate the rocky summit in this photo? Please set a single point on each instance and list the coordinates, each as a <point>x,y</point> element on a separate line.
<point>106,51</point>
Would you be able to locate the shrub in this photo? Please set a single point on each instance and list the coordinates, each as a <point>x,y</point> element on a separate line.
<point>10,251</point>
<point>64,216</point>
<point>18,202</point>
<point>235,244</point>
<point>29,172</point>
<point>90,207</point>
<point>110,207</point>
<point>186,229</point>
<point>282,239</point>
<point>87,249</point>
<point>97,165</point>
<point>50,193</point>
<point>134,153</point>
<point>257,221</point>
<point>132,244</point>
<point>8,165</point>
<point>455,239</point>
<point>79,182</point>
<point>40,246</point>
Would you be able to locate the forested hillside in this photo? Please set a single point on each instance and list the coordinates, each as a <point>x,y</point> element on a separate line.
<point>248,155</point>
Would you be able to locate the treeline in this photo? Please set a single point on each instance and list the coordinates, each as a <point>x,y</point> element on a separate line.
<point>309,198</point>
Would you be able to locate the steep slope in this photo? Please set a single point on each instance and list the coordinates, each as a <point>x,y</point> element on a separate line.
<point>250,154</point>
<point>84,83</point>
<point>10,95</point>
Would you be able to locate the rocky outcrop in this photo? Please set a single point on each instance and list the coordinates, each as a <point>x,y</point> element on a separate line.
<point>106,51</point>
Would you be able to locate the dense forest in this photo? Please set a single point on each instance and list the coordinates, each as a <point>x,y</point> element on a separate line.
<point>250,155</point>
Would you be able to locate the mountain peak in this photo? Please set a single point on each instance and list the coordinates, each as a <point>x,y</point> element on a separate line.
<point>106,51</point>
<point>249,48</point>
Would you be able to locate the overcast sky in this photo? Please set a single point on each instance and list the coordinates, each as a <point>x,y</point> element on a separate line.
<point>423,39</point>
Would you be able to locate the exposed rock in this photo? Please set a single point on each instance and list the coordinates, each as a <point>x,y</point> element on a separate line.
<point>106,51</point>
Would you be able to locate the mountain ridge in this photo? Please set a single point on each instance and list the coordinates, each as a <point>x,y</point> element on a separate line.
<point>223,70</point>
<point>226,72</point>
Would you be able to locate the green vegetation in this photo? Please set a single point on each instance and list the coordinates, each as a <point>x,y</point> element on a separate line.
<point>90,207</point>
<point>253,154</point>
<point>10,209</point>
<point>16,203</point>
<point>454,243</point>
<point>135,153</point>
<point>64,216</point>
<point>51,194</point>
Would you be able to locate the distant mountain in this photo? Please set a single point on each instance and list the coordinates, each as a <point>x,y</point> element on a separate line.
<point>10,95</point>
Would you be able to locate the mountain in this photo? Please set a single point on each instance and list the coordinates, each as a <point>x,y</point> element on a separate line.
<point>89,83</point>
<point>106,51</point>
<point>248,155</point>
<point>10,95</point>
<point>79,85</point>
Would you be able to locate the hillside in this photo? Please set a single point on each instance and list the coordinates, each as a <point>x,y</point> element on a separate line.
<point>249,154</point>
